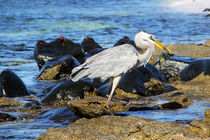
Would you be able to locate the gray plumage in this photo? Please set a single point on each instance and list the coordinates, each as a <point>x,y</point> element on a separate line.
<point>112,63</point>
<point>108,63</point>
<point>115,61</point>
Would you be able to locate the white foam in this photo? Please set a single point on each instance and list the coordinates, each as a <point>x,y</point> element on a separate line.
<point>192,6</point>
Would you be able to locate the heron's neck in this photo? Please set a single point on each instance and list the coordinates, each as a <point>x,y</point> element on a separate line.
<point>144,58</point>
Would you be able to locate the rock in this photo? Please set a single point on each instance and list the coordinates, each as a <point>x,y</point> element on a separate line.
<point>200,127</point>
<point>1,91</point>
<point>89,54</point>
<point>125,40</point>
<point>119,128</point>
<point>121,94</point>
<point>94,107</point>
<point>207,43</point>
<point>89,44</point>
<point>11,85</point>
<point>207,115</point>
<point>206,10</point>
<point>45,51</point>
<point>95,51</point>
<point>9,102</point>
<point>58,69</point>
<point>182,67</point>
<point>60,115</point>
<point>67,91</point>
<point>176,101</point>
<point>181,99</point>
<point>6,117</point>
<point>195,69</point>
<point>198,87</point>
<point>32,103</point>
<point>134,80</point>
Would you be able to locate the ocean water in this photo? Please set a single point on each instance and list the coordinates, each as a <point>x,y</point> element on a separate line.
<point>24,22</point>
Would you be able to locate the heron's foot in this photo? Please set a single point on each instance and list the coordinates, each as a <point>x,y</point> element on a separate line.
<point>108,106</point>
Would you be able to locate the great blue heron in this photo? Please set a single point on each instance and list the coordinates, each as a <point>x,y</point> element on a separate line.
<point>112,63</point>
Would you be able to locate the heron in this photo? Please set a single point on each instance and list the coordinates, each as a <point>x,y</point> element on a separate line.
<point>112,63</point>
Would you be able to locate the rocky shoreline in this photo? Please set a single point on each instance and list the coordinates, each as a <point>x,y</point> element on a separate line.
<point>177,81</point>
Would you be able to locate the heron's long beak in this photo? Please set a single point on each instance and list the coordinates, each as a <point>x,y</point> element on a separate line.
<point>161,46</point>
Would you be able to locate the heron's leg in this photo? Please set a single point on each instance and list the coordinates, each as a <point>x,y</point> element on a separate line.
<point>109,88</point>
<point>116,80</point>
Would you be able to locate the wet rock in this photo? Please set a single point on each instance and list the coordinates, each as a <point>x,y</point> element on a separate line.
<point>11,85</point>
<point>198,87</point>
<point>121,94</point>
<point>6,117</point>
<point>60,115</point>
<point>119,128</point>
<point>176,101</point>
<point>89,54</point>
<point>125,40</point>
<point>94,107</point>
<point>181,99</point>
<point>207,43</point>
<point>32,103</point>
<point>195,69</point>
<point>95,51</point>
<point>62,46</point>
<point>183,67</point>
<point>1,91</point>
<point>134,80</point>
<point>89,44</point>
<point>67,91</point>
<point>170,105</point>
<point>206,10</point>
<point>154,86</point>
<point>9,102</point>
<point>200,127</point>
<point>58,69</point>
<point>207,115</point>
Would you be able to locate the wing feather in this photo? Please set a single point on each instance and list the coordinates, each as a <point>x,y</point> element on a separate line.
<point>108,63</point>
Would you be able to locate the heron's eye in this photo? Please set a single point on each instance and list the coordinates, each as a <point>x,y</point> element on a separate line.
<point>150,37</point>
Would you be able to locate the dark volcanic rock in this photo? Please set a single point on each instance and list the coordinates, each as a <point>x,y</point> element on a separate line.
<point>44,51</point>
<point>206,10</point>
<point>134,80</point>
<point>58,68</point>
<point>68,90</point>
<point>61,115</point>
<point>125,40</point>
<point>183,67</point>
<point>11,85</point>
<point>89,44</point>
<point>95,51</point>
<point>195,69</point>
<point>6,117</point>
<point>176,100</point>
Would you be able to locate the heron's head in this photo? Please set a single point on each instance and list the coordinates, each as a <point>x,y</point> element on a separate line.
<point>145,40</point>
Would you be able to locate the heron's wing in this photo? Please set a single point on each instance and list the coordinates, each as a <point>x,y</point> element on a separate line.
<point>108,63</point>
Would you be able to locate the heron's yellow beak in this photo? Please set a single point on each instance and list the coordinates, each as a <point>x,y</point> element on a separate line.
<point>161,46</point>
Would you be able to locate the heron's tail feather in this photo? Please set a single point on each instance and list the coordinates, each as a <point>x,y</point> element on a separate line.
<point>78,73</point>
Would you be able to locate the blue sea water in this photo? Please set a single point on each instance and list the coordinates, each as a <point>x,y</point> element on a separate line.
<point>23,22</point>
